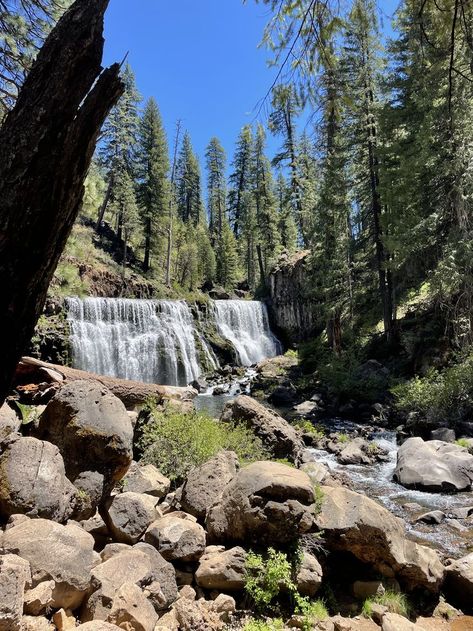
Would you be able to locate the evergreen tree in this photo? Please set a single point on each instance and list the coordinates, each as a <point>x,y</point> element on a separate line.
<point>216,187</point>
<point>227,257</point>
<point>241,178</point>
<point>153,160</point>
<point>188,184</point>
<point>125,205</point>
<point>117,151</point>
<point>287,226</point>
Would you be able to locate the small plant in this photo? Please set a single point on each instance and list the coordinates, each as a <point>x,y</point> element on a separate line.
<point>260,625</point>
<point>311,611</point>
<point>343,438</point>
<point>373,447</point>
<point>291,353</point>
<point>284,461</point>
<point>463,442</point>
<point>267,577</point>
<point>318,499</point>
<point>395,602</point>
<point>316,431</point>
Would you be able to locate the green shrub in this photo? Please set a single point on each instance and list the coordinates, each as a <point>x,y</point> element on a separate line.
<point>343,438</point>
<point>176,442</point>
<point>463,442</point>
<point>395,602</point>
<point>316,431</point>
<point>312,612</point>
<point>438,395</point>
<point>267,577</point>
<point>319,499</point>
<point>259,625</point>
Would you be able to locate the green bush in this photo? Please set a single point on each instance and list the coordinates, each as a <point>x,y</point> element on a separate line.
<point>439,396</point>
<point>395,602</point>
<point>176,442</point>
<point>463,442</point>
<point>260,625</point>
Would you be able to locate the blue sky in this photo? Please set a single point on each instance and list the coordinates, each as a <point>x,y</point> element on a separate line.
<point>199,59</point>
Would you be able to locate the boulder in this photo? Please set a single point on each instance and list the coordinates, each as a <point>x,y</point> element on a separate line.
<point>131,609</point>
<point>432,517</point>
<point>89,485</point>
<point>10,422</point>
<point>356,524</point>
<point>356,451</point>
<point>98,625</point>
<point>444,434</point>
<point>309,576</point>
<point>92,429</point>
<point>222,570</point>
<point>36,623</point>
<point>277,435</point>
<point>317,472</point>
<point>205,484</point>
<point>33,480</point>
<point>177,537</point>
<point>434,466</point>
<point>63,554</point>
<point>395,622</point>
<point>146,479</point>
<point>197,615</point>
<point>128,515</point>
<point>267,503</point>
<point>15,573</point>
<point>39,599</point>
<point>141,565</point>
<point>458,585</point>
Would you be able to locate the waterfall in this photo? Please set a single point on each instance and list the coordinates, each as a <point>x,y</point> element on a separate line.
<point>159,341</point>
<point>154,341</point>
<point>245,324</point>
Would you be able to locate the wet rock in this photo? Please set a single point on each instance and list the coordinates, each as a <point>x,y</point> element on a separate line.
<point>15,573</point>
<point>222,570</point>
<point>63,554</point>
<point>432,517</point>
<point>266,502</point>
<point>10,422</point>
<point>131,609</point>
<point>200,384</point>
<point>146,479</point>
<point>434,466</point>
<point>92,429</point>
<point>458,587</point>
<point>128,515</point>
<point>356,452</point>
<point>356,524</point>
<point>176,537</point>
<point>33,480</point>
<point>276,434</point>
<point>205,484</point>
<point>219,390</point>
<point>284,395</point>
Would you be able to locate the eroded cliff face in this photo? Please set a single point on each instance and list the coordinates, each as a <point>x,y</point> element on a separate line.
<point>291,309</point>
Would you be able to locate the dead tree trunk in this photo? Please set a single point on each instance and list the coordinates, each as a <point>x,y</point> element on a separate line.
<point>46,144</point>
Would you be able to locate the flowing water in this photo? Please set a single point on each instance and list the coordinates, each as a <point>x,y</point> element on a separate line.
<point>245,324</point>
<point>157,341</point>
<point>375,481</point>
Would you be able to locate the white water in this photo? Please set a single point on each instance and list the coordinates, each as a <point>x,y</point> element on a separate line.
<point>245,323</point>
<point>156,341</point>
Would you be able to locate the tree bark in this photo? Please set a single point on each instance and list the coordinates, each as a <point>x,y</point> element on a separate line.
<point>46,144</point>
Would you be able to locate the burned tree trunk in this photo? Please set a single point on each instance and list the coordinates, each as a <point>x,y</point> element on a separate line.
<point>46,144</point>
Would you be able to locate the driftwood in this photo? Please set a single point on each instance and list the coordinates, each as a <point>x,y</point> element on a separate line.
<point>46,144</point>
<point>33,371</point>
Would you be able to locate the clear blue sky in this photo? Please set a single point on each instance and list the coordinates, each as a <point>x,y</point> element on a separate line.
<point>200,60</point>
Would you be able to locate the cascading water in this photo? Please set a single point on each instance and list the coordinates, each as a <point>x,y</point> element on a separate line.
<point>154,341</point>
<point>157,341</point>
<point>245,324</point>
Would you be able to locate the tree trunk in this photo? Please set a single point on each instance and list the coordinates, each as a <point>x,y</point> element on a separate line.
<point>46,145</point>
<point>104,205</point>
<point>147,255</point>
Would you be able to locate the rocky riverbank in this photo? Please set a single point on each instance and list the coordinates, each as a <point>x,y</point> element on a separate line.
<point>92,538</point>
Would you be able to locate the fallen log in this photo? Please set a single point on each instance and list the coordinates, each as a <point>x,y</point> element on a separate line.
<point>132,393</point>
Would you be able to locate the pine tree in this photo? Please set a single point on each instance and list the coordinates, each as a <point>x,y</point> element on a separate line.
<point>240,180</point>
<point>227,257</point>
<point>216,187</point>
<point>286,223</point>
<point>125,205</point>
<point>153,168</point>
<point>188,184</point>
<point>117,151</point>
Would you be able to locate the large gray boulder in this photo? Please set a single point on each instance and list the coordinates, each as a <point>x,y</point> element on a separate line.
<point>205,484</point>
<point>223,570</point>
<point>277,435</point>
<point>356,524</point>
<point>63,554</point>
<point>92,429</point>
<point>177,537</point>
<point>146,479</point>
<point>15,574</point>
<point>267,503</point>
<point>33,480</point>
<point>434,466</point>
<point>128,515</point>
<point>10,422</point>
<point>458,585</point>
<point>132,610</point>
<point>141,565</point>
